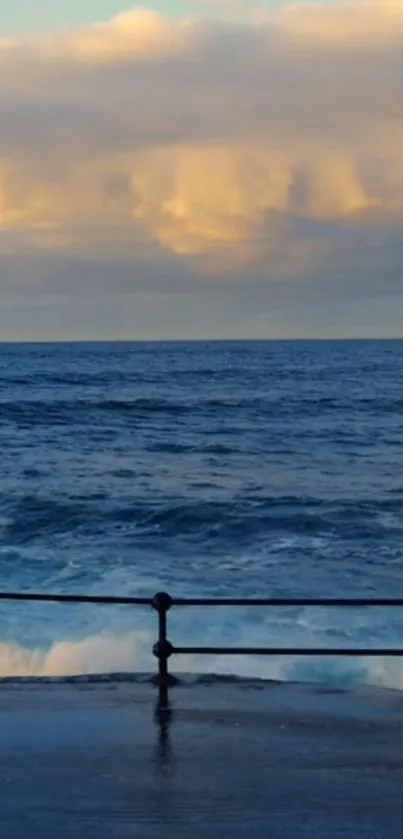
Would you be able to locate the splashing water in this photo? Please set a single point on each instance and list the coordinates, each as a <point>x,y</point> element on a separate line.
<point>217,469</point>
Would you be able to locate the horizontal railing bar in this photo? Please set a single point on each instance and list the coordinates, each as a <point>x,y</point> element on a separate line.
<point>294,651</point>
<point>341,602</point>
<point>76,598</point>
<point>285,601</point>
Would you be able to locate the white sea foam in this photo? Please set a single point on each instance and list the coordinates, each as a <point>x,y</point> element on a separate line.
<point>94,654</point>
<point>131,653</point>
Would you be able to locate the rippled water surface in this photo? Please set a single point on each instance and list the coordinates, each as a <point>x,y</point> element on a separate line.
<point>232,469</point>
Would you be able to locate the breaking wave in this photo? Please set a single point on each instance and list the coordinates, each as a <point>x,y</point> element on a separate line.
<point>129,655</point>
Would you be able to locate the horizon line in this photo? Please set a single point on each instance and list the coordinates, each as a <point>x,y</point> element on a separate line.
<point>92,341</point>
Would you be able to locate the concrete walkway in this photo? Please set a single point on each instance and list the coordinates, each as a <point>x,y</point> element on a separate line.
<point>88,761</point>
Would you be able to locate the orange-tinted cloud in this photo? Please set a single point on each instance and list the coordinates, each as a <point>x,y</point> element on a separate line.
<point>199,137</point>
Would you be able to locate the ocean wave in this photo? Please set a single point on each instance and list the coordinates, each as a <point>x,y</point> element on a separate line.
<point>266,515</point>
<point>64,412</point>
<point>121,657</point>
<point>26,517</point>
<point>59,411</point>
<point>30,517</point>
<point>92,655</point>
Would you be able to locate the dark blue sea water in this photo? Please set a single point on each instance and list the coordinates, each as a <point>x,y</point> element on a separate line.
<point>223,469</point>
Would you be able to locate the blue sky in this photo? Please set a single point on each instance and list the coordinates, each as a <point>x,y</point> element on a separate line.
<point>28,15</point>
<point>32,15</point>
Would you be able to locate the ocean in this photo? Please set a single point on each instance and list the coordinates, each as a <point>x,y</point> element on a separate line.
<point>231,469</point>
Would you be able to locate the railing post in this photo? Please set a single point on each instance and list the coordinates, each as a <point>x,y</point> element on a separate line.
<point>162,650</point>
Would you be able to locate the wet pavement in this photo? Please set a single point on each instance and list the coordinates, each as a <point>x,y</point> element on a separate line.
<point>91,761</point>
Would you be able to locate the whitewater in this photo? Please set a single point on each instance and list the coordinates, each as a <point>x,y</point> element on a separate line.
<point>220,469</point>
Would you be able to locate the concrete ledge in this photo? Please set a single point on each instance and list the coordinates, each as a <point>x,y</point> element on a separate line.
<point>89,760</point>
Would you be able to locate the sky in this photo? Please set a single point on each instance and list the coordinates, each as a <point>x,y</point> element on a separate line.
<point>21,16</point>
<point>201,169</point>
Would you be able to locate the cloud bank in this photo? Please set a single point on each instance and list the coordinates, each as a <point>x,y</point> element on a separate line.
<point>263,150</point>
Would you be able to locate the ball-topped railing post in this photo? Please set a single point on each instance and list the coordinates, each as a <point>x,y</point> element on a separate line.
<point>163,649</point>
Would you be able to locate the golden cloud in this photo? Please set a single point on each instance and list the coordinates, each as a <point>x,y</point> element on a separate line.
<point>369,23</point>
<point>205,136</point>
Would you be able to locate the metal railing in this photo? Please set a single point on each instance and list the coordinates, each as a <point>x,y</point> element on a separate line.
<point>164,649</point>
